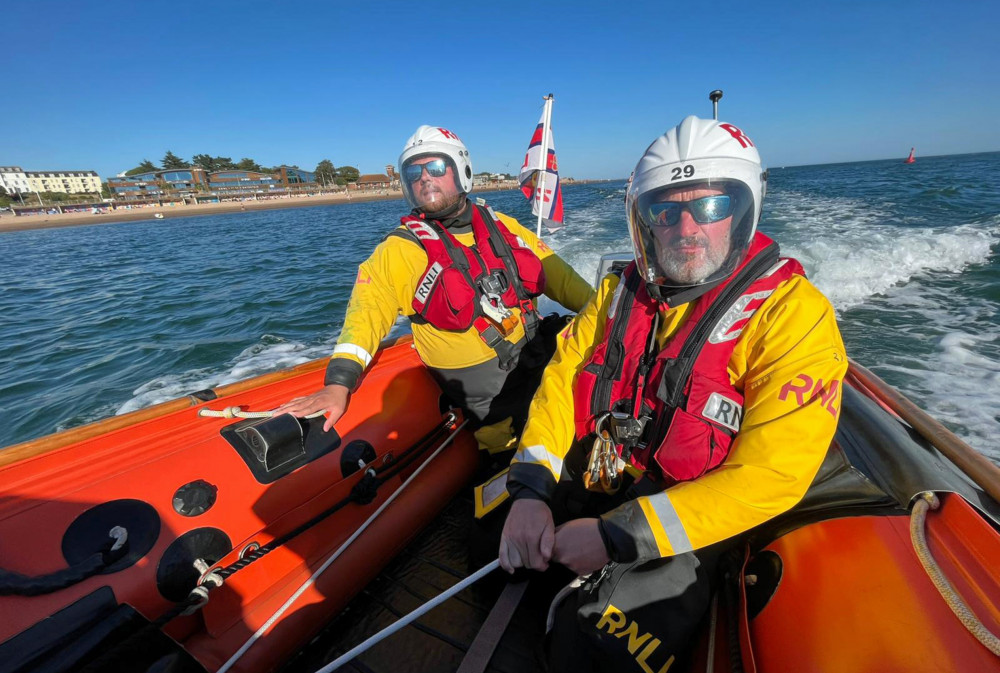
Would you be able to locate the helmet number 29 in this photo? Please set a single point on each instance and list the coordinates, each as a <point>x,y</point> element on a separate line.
<point>679,172</point>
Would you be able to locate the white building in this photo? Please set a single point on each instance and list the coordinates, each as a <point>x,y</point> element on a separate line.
<point>69,182</point>
<point>14,180</point>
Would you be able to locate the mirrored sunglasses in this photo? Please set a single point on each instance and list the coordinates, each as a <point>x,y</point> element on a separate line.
<point>435,169</point>
<point>705,210</point>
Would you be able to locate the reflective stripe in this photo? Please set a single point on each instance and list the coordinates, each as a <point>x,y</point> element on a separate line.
<point>357,351</point>
<point>667,528</point>
<point>615,298</point>
<point>780,263</point>
<point>539,455</point>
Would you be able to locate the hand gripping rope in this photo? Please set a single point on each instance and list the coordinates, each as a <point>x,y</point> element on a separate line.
<point>925,501</point>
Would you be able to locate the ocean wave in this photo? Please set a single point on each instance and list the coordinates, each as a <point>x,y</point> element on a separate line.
<point>269,354</point>
<point>852,251</point>
<point>944,355</point>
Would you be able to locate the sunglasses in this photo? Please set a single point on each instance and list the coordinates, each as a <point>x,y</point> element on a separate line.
<point>705,210</point>
<point>435,169</point>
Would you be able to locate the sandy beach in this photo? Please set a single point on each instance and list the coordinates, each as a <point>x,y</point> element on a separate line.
<point>9,222</point>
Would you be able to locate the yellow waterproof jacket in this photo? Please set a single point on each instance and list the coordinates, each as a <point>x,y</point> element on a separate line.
<point>791,342</point>
<point>386,284</point>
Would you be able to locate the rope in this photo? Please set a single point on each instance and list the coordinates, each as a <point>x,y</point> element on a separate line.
<point>335,555</point>
<point>397,625</point>
<point>925,501</point>
<point>237,412</point>
<point>114,548</point>
<point>362,493</point>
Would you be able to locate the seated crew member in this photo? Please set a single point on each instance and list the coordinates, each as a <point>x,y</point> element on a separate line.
<point>466,277</point>
<point>705,384</point>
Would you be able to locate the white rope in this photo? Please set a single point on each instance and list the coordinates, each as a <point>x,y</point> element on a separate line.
<point>333,557</point>
<point>925,501</point>
<point>237,412</point>
<point>403,621</point>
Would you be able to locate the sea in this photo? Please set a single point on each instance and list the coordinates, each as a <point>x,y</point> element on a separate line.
<point>106,319</point>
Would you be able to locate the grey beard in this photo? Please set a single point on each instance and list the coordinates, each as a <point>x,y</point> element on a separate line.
<point>679,269</point>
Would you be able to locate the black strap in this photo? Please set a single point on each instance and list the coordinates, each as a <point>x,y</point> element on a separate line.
<point>504,349</point>
<point>403,233</point>
<point>502,250</point>
<point>478,656</point>
<point>614,354</point>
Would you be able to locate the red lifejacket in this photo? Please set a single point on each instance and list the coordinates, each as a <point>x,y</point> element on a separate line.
<point>449,292</point>
<point>691,410</point>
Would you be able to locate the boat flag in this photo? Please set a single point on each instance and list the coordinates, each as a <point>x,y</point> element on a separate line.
<point>539,176</point>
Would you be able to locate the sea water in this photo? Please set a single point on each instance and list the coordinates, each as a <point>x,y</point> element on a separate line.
<point>102,320</point>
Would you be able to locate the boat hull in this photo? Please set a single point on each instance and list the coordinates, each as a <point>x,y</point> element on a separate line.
<point>52,488</point>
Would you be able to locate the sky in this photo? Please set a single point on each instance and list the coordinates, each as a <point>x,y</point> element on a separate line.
<point>102,85</point>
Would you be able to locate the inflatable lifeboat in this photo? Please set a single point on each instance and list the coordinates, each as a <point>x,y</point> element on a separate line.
<point>169,540</point>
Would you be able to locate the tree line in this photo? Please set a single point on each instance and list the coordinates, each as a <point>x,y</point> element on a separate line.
<point>326,173</point>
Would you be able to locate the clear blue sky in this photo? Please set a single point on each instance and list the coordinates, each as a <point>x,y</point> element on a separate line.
<point>102,85</point>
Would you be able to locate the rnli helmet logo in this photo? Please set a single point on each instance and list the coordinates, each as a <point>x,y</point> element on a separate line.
<point>738,135</point>
<point>724,411</point>
<point>428,281</point>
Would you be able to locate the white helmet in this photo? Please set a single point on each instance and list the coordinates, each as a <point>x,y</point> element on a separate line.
<point>436,141</point>
<point>720,169</point>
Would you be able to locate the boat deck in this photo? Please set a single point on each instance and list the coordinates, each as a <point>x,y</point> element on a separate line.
<point>438,558</point>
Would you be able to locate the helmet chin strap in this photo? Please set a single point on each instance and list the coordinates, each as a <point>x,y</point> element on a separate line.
<point>677,296</point>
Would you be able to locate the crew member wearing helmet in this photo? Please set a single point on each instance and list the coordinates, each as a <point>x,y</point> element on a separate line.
<point>694,398</point>
<point>467,278</point>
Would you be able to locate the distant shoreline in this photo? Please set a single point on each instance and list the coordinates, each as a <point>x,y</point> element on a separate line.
<point>26,222</point>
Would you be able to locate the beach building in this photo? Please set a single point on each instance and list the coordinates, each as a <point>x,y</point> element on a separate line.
<point>181,183</point>
<point>68,182</point>
<point>228,183</point>
<point>373,181</point>
<point>295,179</point>
<point>14,180</point>
<point>155,184</point>
<point>486,179</point>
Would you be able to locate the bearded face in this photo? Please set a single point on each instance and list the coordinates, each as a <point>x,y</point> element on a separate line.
<point>687,251</point>
<point>434,194</point>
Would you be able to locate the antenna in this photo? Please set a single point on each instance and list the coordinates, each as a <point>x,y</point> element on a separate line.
<point>715,96</point>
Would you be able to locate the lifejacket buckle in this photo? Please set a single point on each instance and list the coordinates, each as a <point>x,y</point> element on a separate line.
<point>494,284</point>
<point>625,428</point>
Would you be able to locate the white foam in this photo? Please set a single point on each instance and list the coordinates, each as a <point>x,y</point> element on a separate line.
<point>852,251</point>
<point>946,358</point>
<point>268,355</point>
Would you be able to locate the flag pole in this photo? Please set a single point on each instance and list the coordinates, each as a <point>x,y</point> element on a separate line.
<point>544,159</point>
